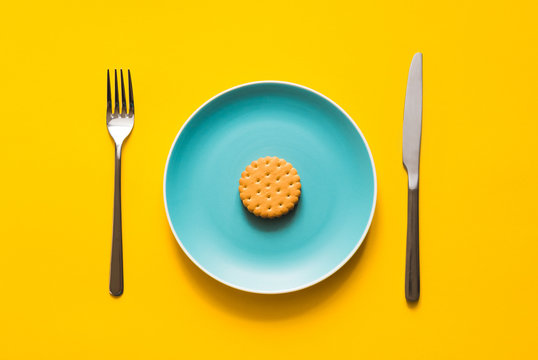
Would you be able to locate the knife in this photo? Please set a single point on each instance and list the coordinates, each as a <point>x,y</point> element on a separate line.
<point>412,128</point>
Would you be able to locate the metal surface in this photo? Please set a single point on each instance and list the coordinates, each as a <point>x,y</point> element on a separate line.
<point>412,129</point>
<point>119,124</point>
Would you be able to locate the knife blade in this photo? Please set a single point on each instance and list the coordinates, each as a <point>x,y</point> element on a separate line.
<point>412,130</point>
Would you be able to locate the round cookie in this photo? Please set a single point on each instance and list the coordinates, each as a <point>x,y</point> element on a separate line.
<point>269,187</point>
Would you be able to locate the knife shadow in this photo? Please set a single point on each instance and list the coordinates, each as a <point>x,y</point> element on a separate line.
<point>266,307</point>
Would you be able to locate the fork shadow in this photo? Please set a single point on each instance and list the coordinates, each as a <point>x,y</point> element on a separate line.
<point>273,307</point>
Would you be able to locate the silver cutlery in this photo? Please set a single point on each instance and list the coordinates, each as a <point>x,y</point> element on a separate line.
<point>120,124</point>
<point>412,128</point>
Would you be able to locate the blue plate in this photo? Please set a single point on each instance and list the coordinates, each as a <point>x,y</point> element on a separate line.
<point>245,123</point>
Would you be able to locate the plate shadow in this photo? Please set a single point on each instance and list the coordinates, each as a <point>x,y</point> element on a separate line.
<point>269,307</point>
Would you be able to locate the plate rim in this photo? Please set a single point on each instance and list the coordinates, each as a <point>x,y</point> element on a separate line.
<point>321,278</point>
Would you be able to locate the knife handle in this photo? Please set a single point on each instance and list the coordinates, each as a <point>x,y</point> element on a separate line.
<point>412,266</point>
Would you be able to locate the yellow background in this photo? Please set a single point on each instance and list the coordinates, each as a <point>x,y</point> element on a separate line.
<point>479,171</point>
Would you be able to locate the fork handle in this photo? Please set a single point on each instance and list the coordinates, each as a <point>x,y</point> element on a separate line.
<point>412,266</point>
<point>116,262</point>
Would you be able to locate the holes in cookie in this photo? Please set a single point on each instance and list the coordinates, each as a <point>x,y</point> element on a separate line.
<point>278,190</point>
<point>280,204</point>
<point>259,191</point>
<point>268,185</point>
<point>266,162</point>
<point>291,184</point>
<point>288,195</point>
<point>287,172</point>
<point>278,179</point>
<point>268,197</point>
<point>257,206</point>
<point>257,180</point>
<point>267,173</point>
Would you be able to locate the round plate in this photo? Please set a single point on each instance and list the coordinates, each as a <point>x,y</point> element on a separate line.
<point>227,133</point>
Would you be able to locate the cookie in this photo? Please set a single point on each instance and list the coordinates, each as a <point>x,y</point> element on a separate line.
<point>269,187</point>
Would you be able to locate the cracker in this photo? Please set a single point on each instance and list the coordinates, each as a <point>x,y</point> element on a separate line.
<point>269,187</point>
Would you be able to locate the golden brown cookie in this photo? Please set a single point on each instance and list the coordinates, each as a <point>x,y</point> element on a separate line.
<point>269,187</point>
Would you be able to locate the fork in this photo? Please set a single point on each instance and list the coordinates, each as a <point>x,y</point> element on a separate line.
<point>120,125</point>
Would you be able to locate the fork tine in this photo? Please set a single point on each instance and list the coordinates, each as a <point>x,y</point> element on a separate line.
<point>108,96</point>
<point>131,99</point>
<point>123,102</point>
<point>117,97</point>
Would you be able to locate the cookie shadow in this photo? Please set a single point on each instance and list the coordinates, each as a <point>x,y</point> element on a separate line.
<point>269,225</point>
<point>263,307</point>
